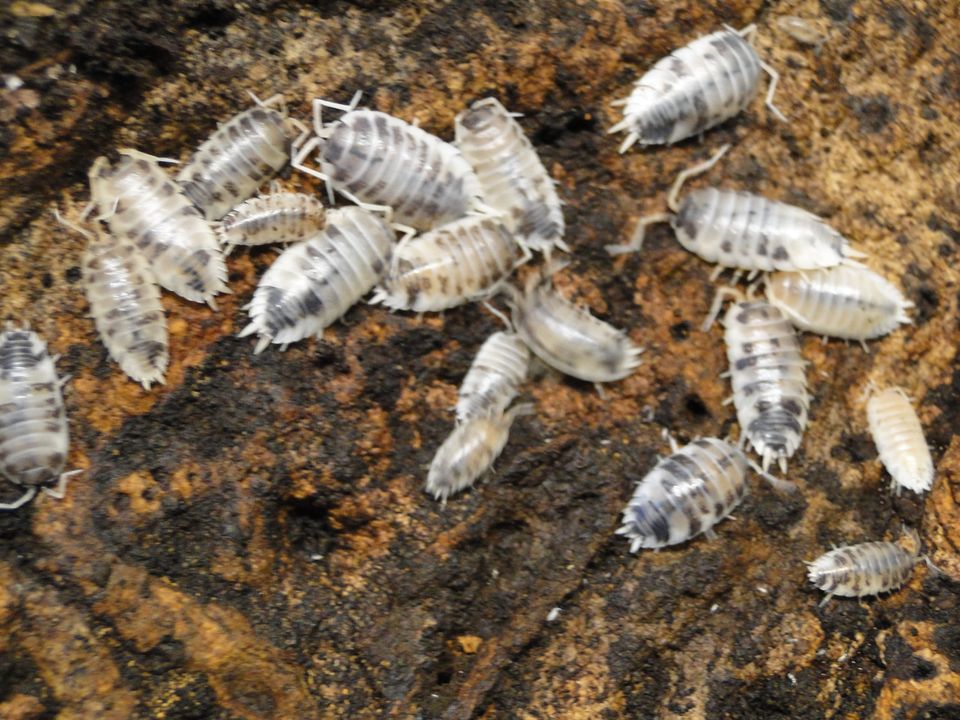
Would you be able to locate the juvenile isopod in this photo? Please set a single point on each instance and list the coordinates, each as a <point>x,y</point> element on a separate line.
<point>313,283</point>
<point>740,230</point>
<point>898,434</point>
<point>461,261</point>
<point>567,337</point>
<point>846,301</point>
<point>687,493</point>
<point>373,158</point>
<point>512,177</point>
<point>494,377</point>
<point>869,568</point>
<point>694,88</point>
<point>34,438</point>
<point>469,451</point>
<point>801,30</point>
<point>141,204</point>
<point>244,152</point>
<point>280,217</point>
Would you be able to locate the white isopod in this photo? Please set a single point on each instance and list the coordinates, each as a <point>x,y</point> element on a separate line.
<point>143,205</point>
<point>694,88</point>
<point>737,229</point>
<point>244,152</point>
<point>802,30</point>
<point>313,283</point>
<point>494,377</point>
<point>464,260</point>
<point>512,177</point>
<point>469,451</point>
<point>280,217</point>
<point>898,434</point>
<point>869,568</point>
<point>373,158</point>
<point>846,301</point>
<point>34,438</point>
<point>687,493</point>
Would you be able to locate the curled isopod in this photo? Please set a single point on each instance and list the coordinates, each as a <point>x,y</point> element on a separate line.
<point>141,204</point>
<point>687,493</point>
<point>494,377</point>
<point>898,434</point>
<point>740,230</point>
<point>469,451</point>
<point>34,438</point>
<point>847,301</point>
<point>244,152</point>
<point>512,177</point>
<point>373,158</point>
<point>313,283</point>
<point>280,217</point>
<point>464,260</point>
<point>567,337</point>
<point>694,88</point>
<point>869,568</point>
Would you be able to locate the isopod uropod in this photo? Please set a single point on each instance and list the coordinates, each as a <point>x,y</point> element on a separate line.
<point>495,375</point>
<point>694,88</point>
<point>512,177</point>
<point>898,434</point>
<point>248,149</point>
<point>280,217</point>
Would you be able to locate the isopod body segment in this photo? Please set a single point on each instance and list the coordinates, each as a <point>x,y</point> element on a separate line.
<point>898,434</point>
<point>494,377</point>
<point>281,217</point>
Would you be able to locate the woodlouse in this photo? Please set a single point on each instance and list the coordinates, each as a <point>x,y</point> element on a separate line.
<point>802,30</point>
<point>461,261</point>
<point>244,152</point>
<point>694,88</point>
<point>737,229</point>
<point>313,283</point>
<point>377,160</point>
<point>142,204</point>
<point>494,377</point>
<point>34,438</point>
<point>512,177</point>
<point>898,434</point>
<point>469,451</point>
<point>846,301</point>
<point>278,217</point>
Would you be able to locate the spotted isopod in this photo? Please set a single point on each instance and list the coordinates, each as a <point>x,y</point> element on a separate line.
<point>373,158</point>
<point>687,493</point>
<point>494,377</point>
<point>461,261</point>
<point>846,301</point>
<point>141,204</point>
<point>244,152</point>
<point>469,451</point>
<point>313,283</point>
<point>898,434</point>
<point>512,177</point>
<point>280,217</point>
<point>34,438</point>
<point>567,337</point>
<point>740,230</point>
<point>694,88</point>
<point>868,568</point>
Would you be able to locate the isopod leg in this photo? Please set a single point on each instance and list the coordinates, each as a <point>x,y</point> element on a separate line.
<point>710,534</point>
<point>60,489</point>
<point>673,197</point>
<point>774,79</point>
<point>25,498</point>
<point>636,241</point>
<point>826,599</point>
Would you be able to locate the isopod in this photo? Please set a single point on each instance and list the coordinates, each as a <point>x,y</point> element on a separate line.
<point>687,493</point>
<point>373,158</point>
<point>143,205</point>
<point>313,283</point>
<point>801,30</point>
<point>868,568</point>
<point>469,451</point>
<point>244,152</point>
<point>737,229</point>
<point>846,301</point>
<point>694,88</point>
<point>512,177</point>
<point>280,217</point>
<point>34,438</point>
<point>494,377</point>
<point>461,261</point>
<point>898,434</point>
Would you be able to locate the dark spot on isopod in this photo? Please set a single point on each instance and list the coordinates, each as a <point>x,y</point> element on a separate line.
<point>781,253</point>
